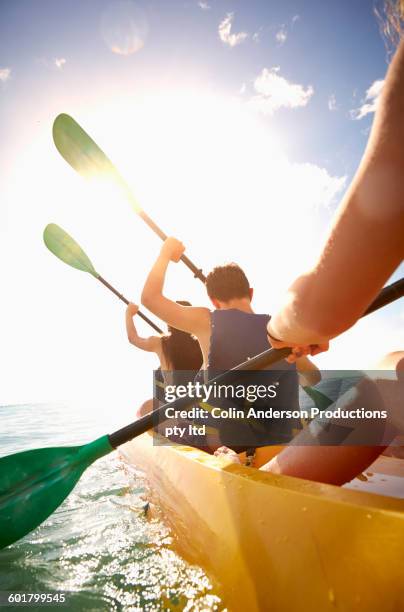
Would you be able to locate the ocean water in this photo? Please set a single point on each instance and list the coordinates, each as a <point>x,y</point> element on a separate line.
<point>99,547</point>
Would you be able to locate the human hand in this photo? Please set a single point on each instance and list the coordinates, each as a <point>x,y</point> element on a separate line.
<point>227,453</point>
<point>297,350</point>
<point>132,309</point>
<point>173,249</point>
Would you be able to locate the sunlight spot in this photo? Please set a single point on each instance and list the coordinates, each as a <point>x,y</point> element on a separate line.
<point>206,163</point>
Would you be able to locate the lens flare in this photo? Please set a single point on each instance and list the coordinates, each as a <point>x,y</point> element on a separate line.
<point>124,28</point>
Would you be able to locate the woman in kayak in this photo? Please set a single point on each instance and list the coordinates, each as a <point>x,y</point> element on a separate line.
<point>364,247</point>
<point>178,353</point>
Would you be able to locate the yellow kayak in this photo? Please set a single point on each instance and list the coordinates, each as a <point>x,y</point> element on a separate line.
<point>278,543</point>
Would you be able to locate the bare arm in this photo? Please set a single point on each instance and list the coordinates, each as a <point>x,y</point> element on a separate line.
<point>151,344</point>
<point>193,320</point>
<point>309,374</point>
<point>366,241</point>
<point>318,453</point>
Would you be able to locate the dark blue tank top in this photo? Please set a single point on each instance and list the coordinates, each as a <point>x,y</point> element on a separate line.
<point>237,336</point>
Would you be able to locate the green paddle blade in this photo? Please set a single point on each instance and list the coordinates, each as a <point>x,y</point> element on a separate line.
<point>79,149</point>
<point>86,157</point>
<point>321,401</point>
<point>34,483</point>
<point>66,248</point>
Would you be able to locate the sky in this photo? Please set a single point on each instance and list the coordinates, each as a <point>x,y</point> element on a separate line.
<point>239,126</point>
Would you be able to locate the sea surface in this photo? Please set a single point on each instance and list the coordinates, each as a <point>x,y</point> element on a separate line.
<point>99,547</point>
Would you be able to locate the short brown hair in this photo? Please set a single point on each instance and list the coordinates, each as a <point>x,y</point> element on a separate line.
<point>227,282</point>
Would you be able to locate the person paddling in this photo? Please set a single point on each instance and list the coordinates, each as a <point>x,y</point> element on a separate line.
<point>228,335</point>
<point>364,247</point>
<point>178,353</point>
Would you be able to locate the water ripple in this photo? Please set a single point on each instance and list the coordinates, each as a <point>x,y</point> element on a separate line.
<point>99,547</point>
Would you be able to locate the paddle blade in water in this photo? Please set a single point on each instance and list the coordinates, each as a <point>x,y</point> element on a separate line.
<point>34,483</point>
<point>79,149</point>
<point>66,248</point>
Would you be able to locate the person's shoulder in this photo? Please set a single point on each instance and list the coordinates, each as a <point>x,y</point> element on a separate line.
<point>205,313</point>
<point>199,314</point>
<point>258,315</point>
<point>200,310</point>
<point>156,343</point>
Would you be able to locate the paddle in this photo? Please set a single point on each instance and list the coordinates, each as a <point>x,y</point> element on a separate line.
<point>35,482</point>
<point>61,244</point>
<point>86,157</point>
<point>388,294</point>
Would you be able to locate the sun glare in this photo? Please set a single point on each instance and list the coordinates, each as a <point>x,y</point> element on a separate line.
<point>212,164</point>
<point>205,167</point>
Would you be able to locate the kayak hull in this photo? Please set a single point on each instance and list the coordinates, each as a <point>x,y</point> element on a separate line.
<point>277,543</point>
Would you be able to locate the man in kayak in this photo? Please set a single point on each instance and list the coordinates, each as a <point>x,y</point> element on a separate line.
<point>228,335</point>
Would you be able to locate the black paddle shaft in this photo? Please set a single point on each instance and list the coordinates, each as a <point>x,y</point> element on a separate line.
<point>121,297</point>
<point>386,296</point>
<point>196,271</point>
<point>263,360</point>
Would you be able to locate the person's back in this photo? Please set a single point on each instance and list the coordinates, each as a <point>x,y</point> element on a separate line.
<point>179,355</point>
<point>229,335</point>
<point>236,337</point>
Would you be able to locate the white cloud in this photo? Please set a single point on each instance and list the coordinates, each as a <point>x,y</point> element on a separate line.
<point>295,18</point>
<point>256,37</point>
<point>203,5</point>
<point>225,34</point>
<point>60,62</point>
<point>332,103</point>
<point>5,74</point>
<point>369,104</point>
<point>375,89</point>
<point>274,92</point>
<point>323,187</point>
<point>281,35</point>
<point>242,89</point>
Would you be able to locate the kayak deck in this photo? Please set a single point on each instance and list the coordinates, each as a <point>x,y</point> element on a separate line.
<point>277,543</point>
